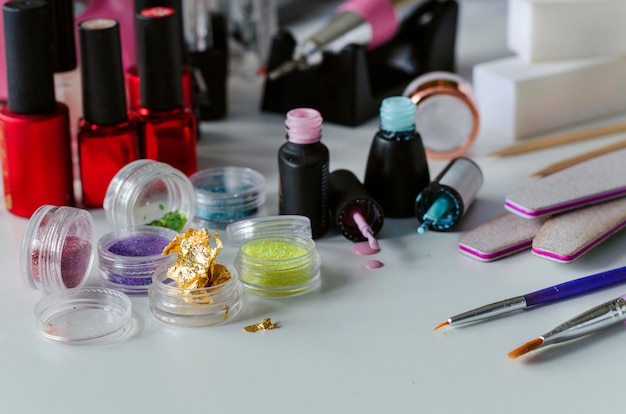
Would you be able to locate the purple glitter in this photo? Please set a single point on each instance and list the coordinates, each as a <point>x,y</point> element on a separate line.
<point>75,260</point>
<point>130,261</point>
<point>131,281</point>
<point>138,246</point>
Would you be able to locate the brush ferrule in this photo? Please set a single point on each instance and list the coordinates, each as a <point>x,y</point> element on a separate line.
<point>595,319</point>
<point>489,311</point>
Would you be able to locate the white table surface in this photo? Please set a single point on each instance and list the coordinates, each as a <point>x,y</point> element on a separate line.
<point>364,341</point>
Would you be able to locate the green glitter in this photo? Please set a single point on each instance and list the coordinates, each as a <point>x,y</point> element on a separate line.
<point>273,250</point>
<point>277,263</point>
<point>172,220</point>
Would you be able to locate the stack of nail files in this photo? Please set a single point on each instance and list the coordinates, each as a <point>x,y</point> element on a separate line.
<point>568,69</point>
<point>560,216</point>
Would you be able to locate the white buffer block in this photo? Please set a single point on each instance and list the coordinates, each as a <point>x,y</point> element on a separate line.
<point>517,99</point>
<point>540,30</point>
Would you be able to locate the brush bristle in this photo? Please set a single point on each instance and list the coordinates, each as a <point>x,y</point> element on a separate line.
<point>526,348</point>
<point>442,324</point>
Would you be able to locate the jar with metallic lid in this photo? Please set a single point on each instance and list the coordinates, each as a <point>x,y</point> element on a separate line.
<point>446,114</point>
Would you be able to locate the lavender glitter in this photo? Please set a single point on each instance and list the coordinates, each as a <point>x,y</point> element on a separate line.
<point>138,246</point>
<point>128,262</point>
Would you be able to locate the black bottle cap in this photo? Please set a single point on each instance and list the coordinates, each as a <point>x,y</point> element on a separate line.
<point>177,5</point>
<point>159,59</point>
<point>64,43</point>
<point>347,196</point>
<point>102,74</point>
<point>30,80</point>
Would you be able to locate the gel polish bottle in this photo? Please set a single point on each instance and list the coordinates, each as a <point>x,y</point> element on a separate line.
<point>167,129</point>
<point>35,138</point>
<point>442,204</point>
<point>132,73</point>
<point>355,213</point>
<point>303,169</point>
<point>107,138</point>
<point>396,169</point>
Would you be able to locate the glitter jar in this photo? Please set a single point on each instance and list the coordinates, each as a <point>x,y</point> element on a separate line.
<point>148,192</point>
<point>57,248</point>
<point>447,116</point>
<point>228,194</point>
<point>276,255</point>
<point>199,307</point>
<point>57,253</point>
<point>127,258</point>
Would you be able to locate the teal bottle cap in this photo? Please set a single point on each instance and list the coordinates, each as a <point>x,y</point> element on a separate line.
<point>397,114</point>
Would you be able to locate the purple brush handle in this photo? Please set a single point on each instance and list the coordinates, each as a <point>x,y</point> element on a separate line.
<point>576,287</point>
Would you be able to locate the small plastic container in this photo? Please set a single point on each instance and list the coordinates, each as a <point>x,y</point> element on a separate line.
<point>228,194</point>
<point>201,307</point>
<point>276,255</point>
<point>128,258</point>
<point>447,116</point>
<point>57,248</point>
<point>147,192</point>
<point>84,316</point>
<point>57,254</point>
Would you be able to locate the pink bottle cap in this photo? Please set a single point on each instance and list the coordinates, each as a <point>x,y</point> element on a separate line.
<point>304,126</point>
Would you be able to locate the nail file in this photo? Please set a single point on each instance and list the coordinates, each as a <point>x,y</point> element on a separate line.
<point>567,236</point>
<point>499,237</point>
<point>593,181</point>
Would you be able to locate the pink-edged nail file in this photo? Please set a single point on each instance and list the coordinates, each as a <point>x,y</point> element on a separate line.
<point>593,181</point>
<point>567,236</point>
<point>499,237</point>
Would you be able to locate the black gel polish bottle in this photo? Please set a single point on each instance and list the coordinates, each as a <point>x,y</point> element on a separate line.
<point>397,170</point>
<point>303,169</point>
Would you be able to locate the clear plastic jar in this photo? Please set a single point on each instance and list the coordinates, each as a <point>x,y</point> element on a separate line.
<point>128,258</point>
<point>276,255</point>
<point>57,254</point>
<point>447,116</point>
<point>147,192</point>
<point>200,307</point>
<point>228,194</point>
<point>57,248</point>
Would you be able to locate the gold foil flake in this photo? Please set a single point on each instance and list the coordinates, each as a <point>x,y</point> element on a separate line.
<point>196,266</point>
<point>265,325</point>
<point>226,309</point>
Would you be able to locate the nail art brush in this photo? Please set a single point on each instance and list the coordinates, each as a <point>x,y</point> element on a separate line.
<point>588,322</point>
<point>550,294</point>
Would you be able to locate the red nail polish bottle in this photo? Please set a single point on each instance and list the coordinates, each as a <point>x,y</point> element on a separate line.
<point>107,138</point>
<point>167,130</point>
<point>34,128</point>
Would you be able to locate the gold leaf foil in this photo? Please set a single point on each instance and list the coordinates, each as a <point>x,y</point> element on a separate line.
<point>265,325</point>
<point>196,266</point>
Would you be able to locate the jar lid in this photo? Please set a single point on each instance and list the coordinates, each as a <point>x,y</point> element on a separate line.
<point>447,117</point>
<point>241,231</point>
<point>148,192</point>
<point>84,316</point>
